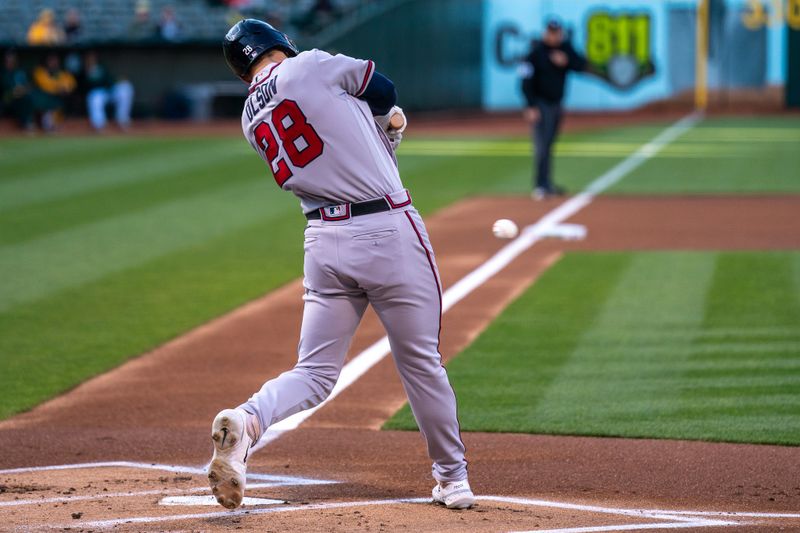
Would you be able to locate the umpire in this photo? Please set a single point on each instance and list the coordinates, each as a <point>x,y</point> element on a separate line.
<point>543,85</point>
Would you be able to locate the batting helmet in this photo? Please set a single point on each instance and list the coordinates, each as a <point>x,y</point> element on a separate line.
<point>248,39</point>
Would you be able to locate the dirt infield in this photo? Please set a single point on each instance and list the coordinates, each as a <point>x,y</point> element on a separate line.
<point>140,433</point>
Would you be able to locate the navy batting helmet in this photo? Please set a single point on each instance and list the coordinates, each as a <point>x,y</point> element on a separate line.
<point>248,39</point>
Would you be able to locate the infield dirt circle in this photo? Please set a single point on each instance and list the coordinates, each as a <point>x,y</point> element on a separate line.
<point>145,426</point>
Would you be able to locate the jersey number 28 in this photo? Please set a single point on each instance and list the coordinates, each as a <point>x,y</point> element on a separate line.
<point>291,126</point>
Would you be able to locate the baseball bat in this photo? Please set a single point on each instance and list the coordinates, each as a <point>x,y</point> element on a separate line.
<point>396,122</point>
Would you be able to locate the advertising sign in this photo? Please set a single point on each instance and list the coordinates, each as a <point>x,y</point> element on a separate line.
<point>639,50</point>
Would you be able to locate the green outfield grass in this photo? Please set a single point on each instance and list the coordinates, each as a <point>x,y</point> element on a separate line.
<point>689,345</point>
<point>718,156</point>
<point>110,246</point>
<point>721,156</point>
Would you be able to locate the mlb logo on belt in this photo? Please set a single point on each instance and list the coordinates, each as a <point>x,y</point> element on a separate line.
<point>336,212</point>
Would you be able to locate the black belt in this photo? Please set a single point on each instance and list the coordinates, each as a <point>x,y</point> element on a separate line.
<point>345,211</point>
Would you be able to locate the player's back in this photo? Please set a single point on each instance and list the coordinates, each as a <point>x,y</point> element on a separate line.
<point>304,118</point>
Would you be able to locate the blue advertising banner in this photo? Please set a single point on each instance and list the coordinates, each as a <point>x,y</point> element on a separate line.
<point>640,50</point>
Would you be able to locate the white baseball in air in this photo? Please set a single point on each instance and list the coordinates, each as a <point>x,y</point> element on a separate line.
<point>505,229</point>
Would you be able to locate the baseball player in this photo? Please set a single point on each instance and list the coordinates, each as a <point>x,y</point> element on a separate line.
<point>323,125</point>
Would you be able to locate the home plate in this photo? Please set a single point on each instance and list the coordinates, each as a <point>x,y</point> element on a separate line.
<point>567,232</point>
<point>211,501</point>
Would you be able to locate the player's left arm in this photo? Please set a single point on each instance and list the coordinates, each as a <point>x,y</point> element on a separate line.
<point>358,78</point>
<point>380,94</point>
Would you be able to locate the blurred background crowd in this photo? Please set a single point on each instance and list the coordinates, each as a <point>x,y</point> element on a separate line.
<point>55,22</point>
<point>61,57</point>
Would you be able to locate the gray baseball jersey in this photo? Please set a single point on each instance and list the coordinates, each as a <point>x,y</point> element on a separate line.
<point>341,155</point>
<point>304,118</point>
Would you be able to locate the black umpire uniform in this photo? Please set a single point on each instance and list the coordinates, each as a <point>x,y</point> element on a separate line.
<point>548,63</point>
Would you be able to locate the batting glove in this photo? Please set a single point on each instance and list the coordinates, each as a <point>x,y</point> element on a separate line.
<point>383,120</point>
<point>394,138</point>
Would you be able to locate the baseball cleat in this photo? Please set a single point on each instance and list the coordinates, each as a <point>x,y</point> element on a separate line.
<point>226,473</point>
<point>455,495</point>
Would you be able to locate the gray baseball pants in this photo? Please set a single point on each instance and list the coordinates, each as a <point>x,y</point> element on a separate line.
<point>384,259</point>
<point>545,132</point>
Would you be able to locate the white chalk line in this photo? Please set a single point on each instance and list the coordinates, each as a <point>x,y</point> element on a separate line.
<point>673,519</point>
<point>127,494</point>
<point>361,363</point>
<point>730,514</point>
<point>274,480</point>
<point>231,514</point>
<point>630,527</point>
<point>676,519</point>
<point>209,500</point>
<point>266,481</point>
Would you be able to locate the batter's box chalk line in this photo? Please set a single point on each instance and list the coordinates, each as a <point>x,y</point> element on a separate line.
<point>658,518</point>
<point>667,519</point>
<point>268,480</point>
<point>255,481</point>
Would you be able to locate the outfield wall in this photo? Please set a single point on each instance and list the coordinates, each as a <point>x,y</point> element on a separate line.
<point>644,48</point>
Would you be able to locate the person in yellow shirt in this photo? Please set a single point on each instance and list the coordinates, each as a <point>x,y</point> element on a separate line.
<point>44,31</point>
<point>56,86</point>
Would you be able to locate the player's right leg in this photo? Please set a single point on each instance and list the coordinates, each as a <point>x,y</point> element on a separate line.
<point>404,290</point>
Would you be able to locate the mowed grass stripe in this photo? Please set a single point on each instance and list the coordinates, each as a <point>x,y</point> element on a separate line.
<point>768,167</point>
<point>718,357</point>
<point>750,290</point>
<point>438,181</point>
<point>52,344</point>
<point>572,149</point>
<point>587,390</point>
<point>505,373</point>
<point>36,268</point>
<point>59,156</point>
<point>141,161</point>
<point>26,156</point>
<point>113,200</point>
<point>455,148</point>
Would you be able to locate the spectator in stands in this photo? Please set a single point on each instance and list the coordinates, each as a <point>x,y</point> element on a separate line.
<point>17,93</point>
<point>44,31</point>
<point>100,88</point>
<point>168,27</point>
<point>142,28</point>
<point>72,25</point>
<point>56,86</point>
